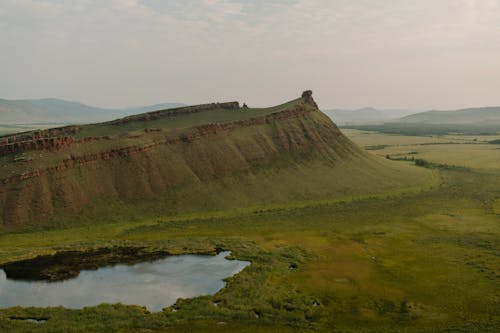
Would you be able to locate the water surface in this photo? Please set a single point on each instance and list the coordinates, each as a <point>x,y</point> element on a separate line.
<point>155,284</point>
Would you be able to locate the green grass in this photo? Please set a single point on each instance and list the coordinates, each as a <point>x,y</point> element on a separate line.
<point>181,122</point>
<point>415,262</point>
<point>419,258</point>
<point>467,151</point>
<point>422,129</point>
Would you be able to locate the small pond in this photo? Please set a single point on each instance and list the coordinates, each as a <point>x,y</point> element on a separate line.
<point>156,284</point>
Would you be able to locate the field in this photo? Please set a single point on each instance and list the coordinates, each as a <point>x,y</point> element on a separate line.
<point>424,129</point>
<point>419,259</point>
<point>474,152</point>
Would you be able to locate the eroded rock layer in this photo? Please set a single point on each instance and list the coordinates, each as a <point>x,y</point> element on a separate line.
<point>62,171</point>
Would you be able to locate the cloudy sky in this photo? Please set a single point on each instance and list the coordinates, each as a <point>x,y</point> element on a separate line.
<point>385,53</point>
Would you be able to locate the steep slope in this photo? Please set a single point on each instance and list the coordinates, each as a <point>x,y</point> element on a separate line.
<point>199,158</point>
<point>58,111</point>
<point>486,115</point>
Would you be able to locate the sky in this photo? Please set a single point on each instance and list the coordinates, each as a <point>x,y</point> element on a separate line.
<point>418,54</point>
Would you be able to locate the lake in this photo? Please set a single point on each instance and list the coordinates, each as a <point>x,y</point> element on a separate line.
<point>155,284</point>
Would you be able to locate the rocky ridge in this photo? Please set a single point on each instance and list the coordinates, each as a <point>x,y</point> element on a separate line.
<point>164,161</point>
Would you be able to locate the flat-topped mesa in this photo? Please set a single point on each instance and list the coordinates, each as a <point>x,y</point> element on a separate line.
<point>174,154</point>
<point>307,97</point>
<point>175,112</point>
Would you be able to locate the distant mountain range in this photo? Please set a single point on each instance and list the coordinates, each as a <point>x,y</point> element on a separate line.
<point>366,115</point>
<point>486,115</point>
<point>476,116</point>
<point>58,111</point>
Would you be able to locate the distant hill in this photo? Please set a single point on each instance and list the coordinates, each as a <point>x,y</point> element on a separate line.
<point>184,160</point>
<point>472,121</point>
<point>365,115</point>
<point>58,111</point>
<point>149,108</point>
<point>485,115</point>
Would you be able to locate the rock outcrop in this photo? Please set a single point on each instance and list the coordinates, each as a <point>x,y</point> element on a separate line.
<point>161,160</point>
<point>195,134</point>
<point>55,139</point>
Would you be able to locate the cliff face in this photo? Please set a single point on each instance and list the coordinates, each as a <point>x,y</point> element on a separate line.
<point>80,171</point>
<point>37,140</point>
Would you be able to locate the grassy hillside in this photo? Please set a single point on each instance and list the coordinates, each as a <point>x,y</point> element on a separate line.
<point>193,159</point>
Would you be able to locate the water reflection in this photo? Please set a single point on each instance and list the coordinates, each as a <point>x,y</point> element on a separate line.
<point>153,284</point>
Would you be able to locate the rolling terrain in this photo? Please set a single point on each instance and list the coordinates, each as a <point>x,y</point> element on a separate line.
<point>471,116</point>
<point>425,260</point>
<point>356,116</point>
<point>340,238</point>
<point>57,111</point>
<point>472,121</point>
<point>190,159</point>
<point>365,115</point>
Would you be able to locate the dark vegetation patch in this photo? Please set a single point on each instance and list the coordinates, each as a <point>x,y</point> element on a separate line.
<point>431,165</point>
<point>34,320</point>
<point>376,147</point>
<point>68,264</point>
<point>424,163</point>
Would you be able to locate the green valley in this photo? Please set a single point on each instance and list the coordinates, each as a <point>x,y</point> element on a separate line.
<point>340,239</point>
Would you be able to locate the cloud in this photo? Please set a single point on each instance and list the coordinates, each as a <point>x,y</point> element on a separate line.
<point>122,52</point>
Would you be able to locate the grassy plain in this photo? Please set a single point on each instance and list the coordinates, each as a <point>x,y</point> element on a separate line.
<point>424,259</point>
<point>424,129</point>
<point>468,151</point>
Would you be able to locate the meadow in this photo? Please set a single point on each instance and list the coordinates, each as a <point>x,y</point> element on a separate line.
<point>420,259</point>
<point>430,128</point>
<point>474,152</point>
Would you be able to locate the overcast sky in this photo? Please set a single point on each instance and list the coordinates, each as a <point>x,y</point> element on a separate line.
<point>418,54</point>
